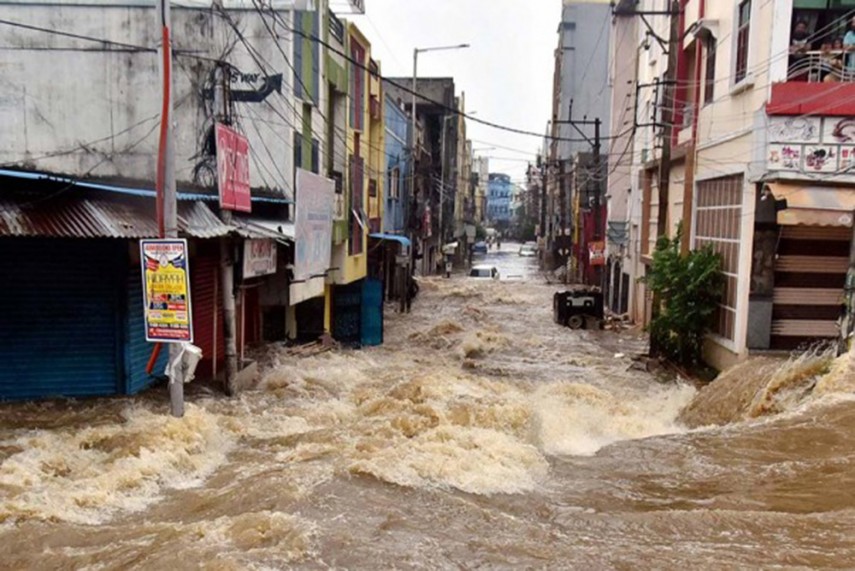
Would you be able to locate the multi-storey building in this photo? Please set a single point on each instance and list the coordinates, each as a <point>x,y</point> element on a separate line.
<point>581,94</point>
<point>500,196</point>
<point>760,150</point>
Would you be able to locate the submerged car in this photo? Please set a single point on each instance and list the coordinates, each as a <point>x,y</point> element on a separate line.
<point>484,272</point>
<point>528,250</point>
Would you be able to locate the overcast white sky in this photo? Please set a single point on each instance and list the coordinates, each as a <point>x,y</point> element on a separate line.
<point>506,74</point>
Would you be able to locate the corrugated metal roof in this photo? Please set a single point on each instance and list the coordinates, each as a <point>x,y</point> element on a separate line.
<point>141,192</point>
<point>95,218</point>
<point>249,227</point>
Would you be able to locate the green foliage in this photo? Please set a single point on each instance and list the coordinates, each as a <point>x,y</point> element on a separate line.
<point>689,288</point>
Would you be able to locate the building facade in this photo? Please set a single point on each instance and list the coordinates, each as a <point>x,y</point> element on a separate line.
<point>500,197</point>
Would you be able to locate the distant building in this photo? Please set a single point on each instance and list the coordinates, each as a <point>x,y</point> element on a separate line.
<point>499,199</point>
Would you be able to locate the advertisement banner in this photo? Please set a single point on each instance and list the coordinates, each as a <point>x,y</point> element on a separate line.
<point>233,169</point>
<point>313,234</point>
<point>166,291</point>
<point>259,258</point>
<point>597,253</point>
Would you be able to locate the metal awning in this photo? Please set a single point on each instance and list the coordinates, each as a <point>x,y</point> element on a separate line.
<point>814,205</point>
<point>249,227</point>
<point>99,218</point>
<point>403,240</point>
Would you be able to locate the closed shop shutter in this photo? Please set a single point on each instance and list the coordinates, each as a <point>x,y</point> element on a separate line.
<point>810,274</point>
<point>60,307</point>
<point>207,301</point>
<point>137,349</point>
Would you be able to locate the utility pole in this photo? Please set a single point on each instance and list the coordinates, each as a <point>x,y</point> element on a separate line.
<point>596,147</point>
<point>667,134</point>
<point>166,195</point>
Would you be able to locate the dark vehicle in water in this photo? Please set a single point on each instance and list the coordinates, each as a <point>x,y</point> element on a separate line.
<point>578,308</point>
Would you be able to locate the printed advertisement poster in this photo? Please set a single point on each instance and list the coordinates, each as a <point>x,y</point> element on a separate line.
<point>166,291</point>
<point>313,228</point>
<point>597,253</point>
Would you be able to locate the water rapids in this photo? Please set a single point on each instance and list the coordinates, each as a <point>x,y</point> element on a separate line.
<point>479,435</point>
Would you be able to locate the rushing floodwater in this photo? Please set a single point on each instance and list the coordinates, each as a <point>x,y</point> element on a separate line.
<point>480,435</point>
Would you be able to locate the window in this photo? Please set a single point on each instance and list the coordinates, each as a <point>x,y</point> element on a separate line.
<point>357,86</point>
<point>372,188</point>
<point>316,157</point>
<point>356,203</point>
<point>394,184</point>
<point>718,224</point>
<point>709,78</point>
<point>743,32</point>
<point>298,150</point>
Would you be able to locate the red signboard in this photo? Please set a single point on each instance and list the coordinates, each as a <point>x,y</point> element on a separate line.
<point>597,253</point>
<point>233,169</point>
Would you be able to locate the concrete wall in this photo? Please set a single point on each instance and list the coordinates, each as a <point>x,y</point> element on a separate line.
<point>584,43</point>
<point>728,140</point>
<point>90,111</point>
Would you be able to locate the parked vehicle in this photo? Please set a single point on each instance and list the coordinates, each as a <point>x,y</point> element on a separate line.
<point>578,308</point>
<point>484,272</point>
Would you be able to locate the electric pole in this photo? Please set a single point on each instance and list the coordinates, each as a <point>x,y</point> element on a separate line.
<point>167,205</point>
<point>596,147</point>
<point>665,159</point>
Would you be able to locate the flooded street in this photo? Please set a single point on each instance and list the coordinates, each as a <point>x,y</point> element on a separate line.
<point>480,435</point>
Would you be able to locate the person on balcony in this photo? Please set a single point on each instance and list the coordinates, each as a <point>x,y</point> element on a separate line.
<point>849,48</point>
<point>799,46</point>
<point>832,60</point>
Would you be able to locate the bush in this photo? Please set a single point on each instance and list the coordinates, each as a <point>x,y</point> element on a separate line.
<point>689,289</point>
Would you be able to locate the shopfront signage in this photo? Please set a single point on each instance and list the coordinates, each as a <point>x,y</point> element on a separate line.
<point>259,258</point>
<point>233,169</point>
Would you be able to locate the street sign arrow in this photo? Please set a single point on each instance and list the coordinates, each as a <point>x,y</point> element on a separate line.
<point>271,83</point>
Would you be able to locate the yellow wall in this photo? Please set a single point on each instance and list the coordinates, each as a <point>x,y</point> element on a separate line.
<point>354,268</point>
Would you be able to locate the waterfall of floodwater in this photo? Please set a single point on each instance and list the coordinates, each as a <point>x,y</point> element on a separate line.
<point>765,386</point>
<point>480,434</point>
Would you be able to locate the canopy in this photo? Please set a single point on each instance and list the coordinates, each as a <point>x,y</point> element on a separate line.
<point>403,240</point>
<point>814,205</point>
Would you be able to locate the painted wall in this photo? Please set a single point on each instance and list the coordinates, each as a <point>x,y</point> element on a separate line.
<point>351,268</point>
<point>397,126</point>
<point>96,113</point>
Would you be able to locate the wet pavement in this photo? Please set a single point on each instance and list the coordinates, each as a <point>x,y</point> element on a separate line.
<point>481,435</point>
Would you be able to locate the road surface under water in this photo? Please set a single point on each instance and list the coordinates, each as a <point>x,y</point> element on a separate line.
<point>481,435</point>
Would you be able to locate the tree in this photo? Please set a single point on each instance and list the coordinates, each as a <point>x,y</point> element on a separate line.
<point>690,287</point>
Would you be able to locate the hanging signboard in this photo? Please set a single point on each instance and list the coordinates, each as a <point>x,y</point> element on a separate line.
<point>259,258</point>
<point>313,230</point>
<point>233,169</point>
<point>597,253</point>
<point>166,291</point>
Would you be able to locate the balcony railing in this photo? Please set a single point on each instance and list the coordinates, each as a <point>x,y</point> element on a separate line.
<point>819,66</point>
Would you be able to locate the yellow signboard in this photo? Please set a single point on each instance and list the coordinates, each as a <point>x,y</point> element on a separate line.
<point>166,291</point>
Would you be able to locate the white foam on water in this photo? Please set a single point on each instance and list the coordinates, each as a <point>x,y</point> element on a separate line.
<point>89,475</point>
<point>580,419</point>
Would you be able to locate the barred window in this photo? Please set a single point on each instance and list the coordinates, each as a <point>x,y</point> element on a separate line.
<point>718,224</point>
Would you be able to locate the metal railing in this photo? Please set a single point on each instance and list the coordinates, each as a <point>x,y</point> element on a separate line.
<point>817,66</point>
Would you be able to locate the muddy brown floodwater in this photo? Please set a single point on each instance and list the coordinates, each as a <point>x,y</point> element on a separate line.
<point>480,435</point>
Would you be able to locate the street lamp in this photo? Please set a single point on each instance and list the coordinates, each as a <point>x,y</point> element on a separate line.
<point>413,119</point>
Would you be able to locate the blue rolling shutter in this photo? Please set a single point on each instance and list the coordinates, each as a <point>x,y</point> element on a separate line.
<point>372,312</point>
<point>59,302</point>
<point>137,349</point>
